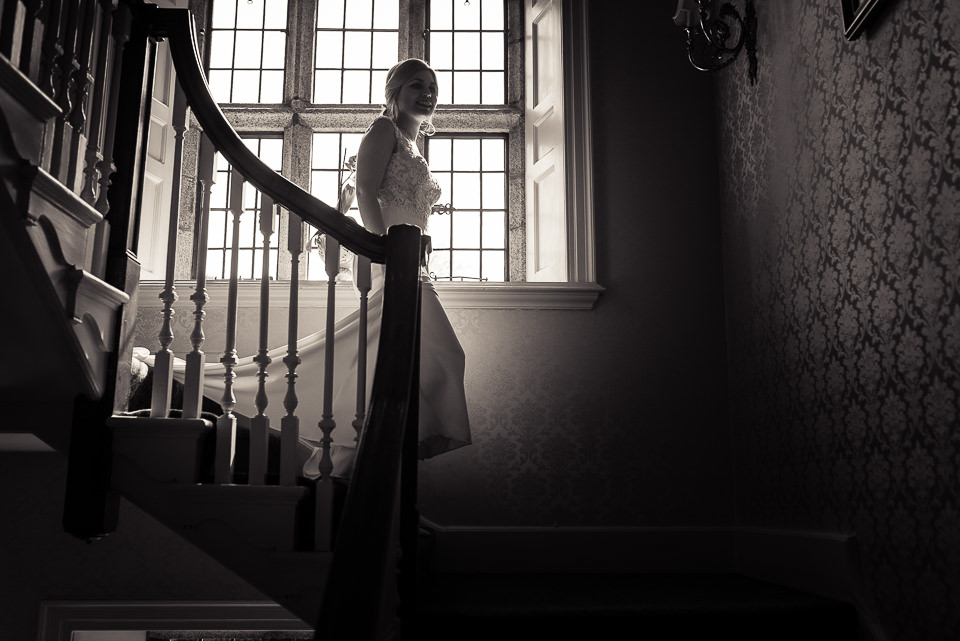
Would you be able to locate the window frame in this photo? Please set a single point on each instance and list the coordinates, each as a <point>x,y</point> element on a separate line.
<point>298,119</point>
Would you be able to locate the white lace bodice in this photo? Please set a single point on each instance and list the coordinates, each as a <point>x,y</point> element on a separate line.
<point>409,190</point>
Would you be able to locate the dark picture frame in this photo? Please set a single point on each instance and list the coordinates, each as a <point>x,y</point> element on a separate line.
<point>856,13</point>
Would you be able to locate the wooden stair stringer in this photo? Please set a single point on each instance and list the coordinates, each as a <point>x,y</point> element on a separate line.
<point>250,530</point>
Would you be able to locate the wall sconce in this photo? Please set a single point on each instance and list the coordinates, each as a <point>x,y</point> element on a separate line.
<point>709,29</point>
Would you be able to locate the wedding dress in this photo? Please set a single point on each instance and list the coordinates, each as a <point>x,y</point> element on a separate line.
<point>406,195</point>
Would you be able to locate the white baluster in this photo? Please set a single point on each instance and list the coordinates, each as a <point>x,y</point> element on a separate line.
<point>193,378</point>
<point>260,424</point>
<point>227,423</point>
<point>163,363</point>
<point>290,424</point>
<point>327,421</point>
<point>363,286</point>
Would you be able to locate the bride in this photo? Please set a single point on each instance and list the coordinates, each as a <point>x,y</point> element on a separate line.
<point>394,186</point>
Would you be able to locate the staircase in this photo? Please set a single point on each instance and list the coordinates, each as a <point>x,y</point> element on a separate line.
<point>324,549</point>
<point>69,207</point>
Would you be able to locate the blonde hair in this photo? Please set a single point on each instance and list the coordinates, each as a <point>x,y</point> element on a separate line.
<point>398,76</point>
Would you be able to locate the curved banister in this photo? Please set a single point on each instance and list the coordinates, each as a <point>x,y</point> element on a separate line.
<point>364,547</point>
<point>177,26</point>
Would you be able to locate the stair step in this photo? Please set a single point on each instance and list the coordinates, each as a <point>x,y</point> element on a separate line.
<point>675,607</point>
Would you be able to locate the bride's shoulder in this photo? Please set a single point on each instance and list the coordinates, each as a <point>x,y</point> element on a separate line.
<point>382,127</point>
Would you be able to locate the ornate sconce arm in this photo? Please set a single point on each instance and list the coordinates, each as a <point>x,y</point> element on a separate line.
<point>709,29</point>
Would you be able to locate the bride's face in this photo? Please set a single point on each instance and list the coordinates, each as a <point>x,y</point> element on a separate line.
<point>418,96</point>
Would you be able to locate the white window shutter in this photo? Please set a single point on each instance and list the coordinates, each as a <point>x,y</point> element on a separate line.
<point>546,229</point>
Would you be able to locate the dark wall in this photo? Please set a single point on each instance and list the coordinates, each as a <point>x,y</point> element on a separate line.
<point>841,178</point>
<point>615,416</point>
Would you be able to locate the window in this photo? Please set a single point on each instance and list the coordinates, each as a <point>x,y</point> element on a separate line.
<point>509,221</point>
<point>220,223</point>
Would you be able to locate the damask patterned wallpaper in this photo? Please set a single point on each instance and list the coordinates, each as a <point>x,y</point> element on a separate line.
<point>841,192</point>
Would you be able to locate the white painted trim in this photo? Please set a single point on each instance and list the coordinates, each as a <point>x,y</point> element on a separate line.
<point>60,619</point>
<point>581,240</point>
<point>313,294</point>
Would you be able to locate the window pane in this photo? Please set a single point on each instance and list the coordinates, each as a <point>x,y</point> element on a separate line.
<point>464,264</point>
<point>493,88</point>
<point>224,14</point>
<point>378,80</point>
<point>466,230</point>
<point>441,50</point>
<point>438,152</point>
<point>221,50</point>
<point>326,86</point>
<point>441,15</point>
<point>386,14</point>
<point>440,264</point>
<point>271,89</point>
<point>247,54</point>
<point>246,86</point>
<point>276,17</point>
<point>446,193</point>
<point>326,150</point>
<point>220,85</point>
<point>324,186</point>
<point>492,44</point>
<point>466,154</point>
<point>356,87</point>
<point>466,16</point>
<point>330,14</point>
<point>445,80</point>
<point>385,49</point>
<point>493,266</point>
<point>250,14</point>
<point>493,191</point>
<point>359,14</point>
<point>439,230</point>
<point>466,50</point>
<point>494,231</point>
<point>356,50</point>
<point>492,154</point>
<point>274,48</point>
<point>216,229</point>
<point>466,191</point>
<point>466,90</point>
<point>214,263</point>
<point>248,221</point>
<point>271,151</point>
<point>329,49</point>
<point>491,14</point>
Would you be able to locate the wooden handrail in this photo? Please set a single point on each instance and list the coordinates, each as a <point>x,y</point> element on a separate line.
<point>178,26</point>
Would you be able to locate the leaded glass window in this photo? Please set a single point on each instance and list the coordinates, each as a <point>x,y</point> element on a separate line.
<point>336,54</point>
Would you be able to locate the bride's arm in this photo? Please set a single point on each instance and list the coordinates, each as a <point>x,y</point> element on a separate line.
<point>372,159</point>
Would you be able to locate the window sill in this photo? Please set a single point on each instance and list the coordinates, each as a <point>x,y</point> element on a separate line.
<point>573,296</point>
<point>580,296</point>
